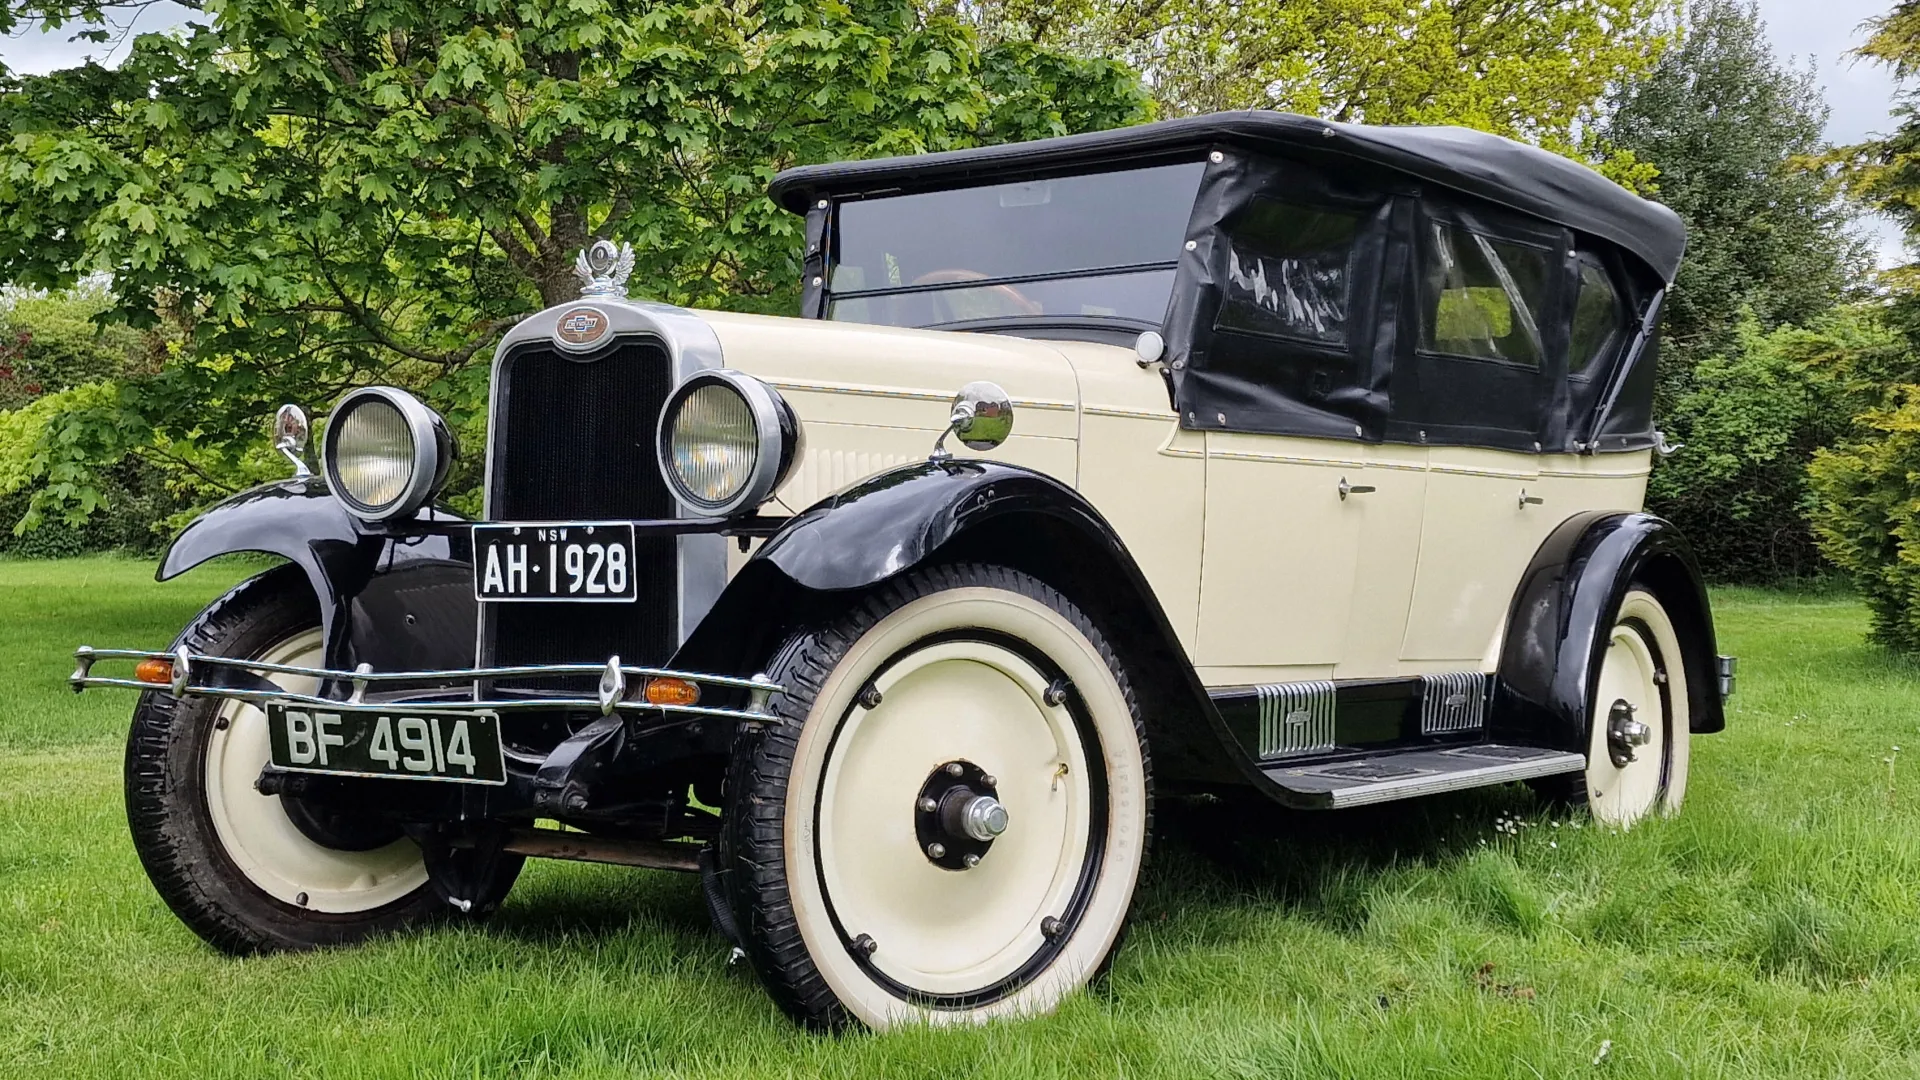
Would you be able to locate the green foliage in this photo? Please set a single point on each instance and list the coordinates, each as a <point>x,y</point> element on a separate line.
<point>53,341</point>
<point>1532,71</point>
<point>1752,418</point>
<point>1731,129</point>
<point>1867,516</point>
<point>337,193</point>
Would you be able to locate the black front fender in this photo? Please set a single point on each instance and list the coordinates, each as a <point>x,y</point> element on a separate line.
<point>894,521</point>
<point>1564,610</point>
<point>977,511</point>
<point>390,598</point>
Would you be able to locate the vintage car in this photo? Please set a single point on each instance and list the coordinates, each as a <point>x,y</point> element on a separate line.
<point>1245,455</point>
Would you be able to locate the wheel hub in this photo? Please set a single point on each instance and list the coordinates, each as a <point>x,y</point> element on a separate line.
<point>1625,733</point>
<point>958,815</point>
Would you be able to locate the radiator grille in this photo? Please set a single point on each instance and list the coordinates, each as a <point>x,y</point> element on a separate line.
<point>1295,718</point>
<point>573,441</point>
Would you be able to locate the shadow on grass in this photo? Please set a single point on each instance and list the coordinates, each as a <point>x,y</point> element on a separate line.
<point>1220,856</point>
<point>1321,865</point>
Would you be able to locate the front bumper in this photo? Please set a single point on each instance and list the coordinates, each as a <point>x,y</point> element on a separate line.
<point>622,687</point>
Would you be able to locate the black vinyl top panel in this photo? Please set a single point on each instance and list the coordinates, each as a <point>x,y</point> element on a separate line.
<point>1501,171</point>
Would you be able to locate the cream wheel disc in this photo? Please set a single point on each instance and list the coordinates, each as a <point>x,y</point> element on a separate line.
<point>1638,741</point>
<point>264,843</point>
<point>993,684</point>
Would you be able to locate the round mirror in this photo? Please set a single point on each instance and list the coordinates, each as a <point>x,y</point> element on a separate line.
<point>982,415</point>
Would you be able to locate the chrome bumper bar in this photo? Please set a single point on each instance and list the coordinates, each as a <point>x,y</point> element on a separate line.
<point>613,694</point>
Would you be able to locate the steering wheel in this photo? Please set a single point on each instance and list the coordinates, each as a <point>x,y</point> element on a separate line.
<point>1015,300</point>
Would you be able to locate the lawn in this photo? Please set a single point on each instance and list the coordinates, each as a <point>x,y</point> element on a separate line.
<point>1771,929</point>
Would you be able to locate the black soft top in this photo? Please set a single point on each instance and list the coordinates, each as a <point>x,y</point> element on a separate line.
<point>1499,170</point>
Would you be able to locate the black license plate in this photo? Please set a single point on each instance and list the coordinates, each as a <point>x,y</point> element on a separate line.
<point>367,740</point>
<point>585,562</point>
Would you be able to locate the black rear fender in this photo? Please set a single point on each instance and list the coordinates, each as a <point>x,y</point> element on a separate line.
<point>1564,609</point>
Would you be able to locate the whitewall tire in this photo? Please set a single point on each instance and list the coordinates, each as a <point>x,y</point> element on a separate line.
<point>246,871</point>
<point>950,820</point>
<point>1637,751</point>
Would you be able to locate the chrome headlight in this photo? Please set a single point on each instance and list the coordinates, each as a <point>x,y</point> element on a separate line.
<point>385,454</point>
<point>726,442</point>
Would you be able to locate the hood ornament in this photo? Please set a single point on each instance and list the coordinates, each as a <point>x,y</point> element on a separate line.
<point>603,269</point>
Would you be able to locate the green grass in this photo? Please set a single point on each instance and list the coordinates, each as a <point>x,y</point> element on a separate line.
<point>1772,929</point>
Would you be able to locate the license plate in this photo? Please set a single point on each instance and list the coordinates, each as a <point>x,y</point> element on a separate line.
<point>585,562</point>
<point>365,740</point>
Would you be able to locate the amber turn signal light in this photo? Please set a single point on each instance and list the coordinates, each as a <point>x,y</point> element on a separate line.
<point>672,692</point>
<point>153,670</point>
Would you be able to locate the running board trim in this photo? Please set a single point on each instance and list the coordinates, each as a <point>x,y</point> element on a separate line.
<point>1421,772</point>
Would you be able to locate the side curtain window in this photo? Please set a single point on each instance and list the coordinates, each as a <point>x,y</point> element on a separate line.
<point>1599,320</point>
<point>1483,298</point>
<point>1290,272</point>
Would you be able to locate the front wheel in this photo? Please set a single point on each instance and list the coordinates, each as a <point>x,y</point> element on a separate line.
<point>246,871</point>
<point>950,816</point>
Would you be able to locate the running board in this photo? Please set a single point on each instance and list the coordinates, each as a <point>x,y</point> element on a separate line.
<point>1408,774</point>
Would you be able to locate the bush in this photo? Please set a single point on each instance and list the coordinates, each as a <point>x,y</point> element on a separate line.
<point>1752,423</point>
<point>1867,516</point>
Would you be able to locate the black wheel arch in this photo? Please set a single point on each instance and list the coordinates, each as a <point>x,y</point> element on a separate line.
<point>1563,609</point>
<point>985,512</point>
<point>394,600</point>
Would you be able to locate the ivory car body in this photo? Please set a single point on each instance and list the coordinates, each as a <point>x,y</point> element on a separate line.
<point>1248,455</point>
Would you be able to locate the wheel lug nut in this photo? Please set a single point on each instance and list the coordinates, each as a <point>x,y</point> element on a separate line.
<point>928,806</point>
<point>971,860</point>
<point>989,780</point>
<point>954,768</point>
<point>936,851</point>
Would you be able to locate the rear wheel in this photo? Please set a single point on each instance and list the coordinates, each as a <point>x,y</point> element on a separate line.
<point>950,820</point>
<point>251,872</point>
<point>1637,732</point>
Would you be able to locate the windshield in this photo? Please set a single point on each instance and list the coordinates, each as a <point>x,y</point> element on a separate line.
<point>1102,244</point>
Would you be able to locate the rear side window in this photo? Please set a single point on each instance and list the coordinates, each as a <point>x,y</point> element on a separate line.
<point>1290,271</point>
<point>1482,298</point>
<point>1599,319</point>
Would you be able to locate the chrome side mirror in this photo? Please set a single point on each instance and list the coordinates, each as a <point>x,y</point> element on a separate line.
<point>981,419</point>
<point>290,433</point>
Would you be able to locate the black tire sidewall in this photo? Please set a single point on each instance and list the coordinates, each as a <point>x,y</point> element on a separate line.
<point>167,811</point>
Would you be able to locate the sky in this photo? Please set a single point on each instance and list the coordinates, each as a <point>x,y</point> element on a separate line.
<point>1823,30</point>
<point>1858,92</point>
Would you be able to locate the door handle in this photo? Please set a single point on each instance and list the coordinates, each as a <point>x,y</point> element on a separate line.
<point>1526,498</point>
<point>1347,489</point>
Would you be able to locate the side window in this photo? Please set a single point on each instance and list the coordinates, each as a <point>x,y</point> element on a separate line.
<point>1290,271</point>
<point>1599,319</point>
<point>1481,297</point>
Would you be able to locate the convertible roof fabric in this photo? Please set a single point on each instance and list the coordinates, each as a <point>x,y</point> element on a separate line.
<point>1512,174</point>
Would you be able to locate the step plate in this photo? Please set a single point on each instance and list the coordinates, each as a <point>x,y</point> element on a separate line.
<point>1408,774</point>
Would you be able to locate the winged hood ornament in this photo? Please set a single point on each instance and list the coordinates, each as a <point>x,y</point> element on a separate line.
<point>603,269</point>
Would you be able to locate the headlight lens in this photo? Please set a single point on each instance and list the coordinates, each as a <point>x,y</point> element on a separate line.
<point>373,456</point>
<point>714,443</point>
<point>386,453</point>
<point>727,440</point>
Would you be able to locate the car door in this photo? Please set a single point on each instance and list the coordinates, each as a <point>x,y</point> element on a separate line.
<point>1473,384</point>
<point>1284,520</point>
<point>1298,499</point>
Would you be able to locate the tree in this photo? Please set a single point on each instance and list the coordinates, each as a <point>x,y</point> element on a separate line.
<point>1733,133</point>
<point>1524,68</point>
<point>1754,417</point>
<point>336,191</point>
